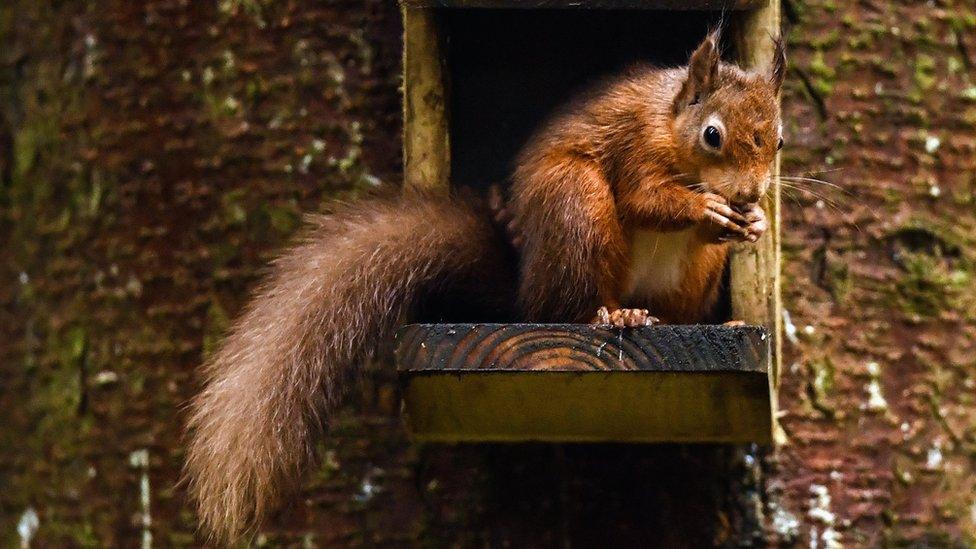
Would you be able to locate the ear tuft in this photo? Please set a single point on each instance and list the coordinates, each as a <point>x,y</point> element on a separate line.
<point>778,71</point>
<point>702,72</point>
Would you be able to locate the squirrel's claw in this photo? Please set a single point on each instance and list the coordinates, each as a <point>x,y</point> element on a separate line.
<point>624,318</point>
<point>721,209</point>
<point>722,220</point>
<point>757,221</point>
<point>718,212</point>
<point>754,225</point>
<point>504,217</point>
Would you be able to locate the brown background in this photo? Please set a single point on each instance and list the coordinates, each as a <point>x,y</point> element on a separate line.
<point>154,154</point>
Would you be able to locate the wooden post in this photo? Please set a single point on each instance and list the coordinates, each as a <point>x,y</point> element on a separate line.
<point>755,269</point>
<point>426,144</point>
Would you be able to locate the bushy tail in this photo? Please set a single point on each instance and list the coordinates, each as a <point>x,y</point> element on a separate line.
<point>327,305</point>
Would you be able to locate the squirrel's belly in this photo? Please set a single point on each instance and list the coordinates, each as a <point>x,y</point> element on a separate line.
<point>658,262</point>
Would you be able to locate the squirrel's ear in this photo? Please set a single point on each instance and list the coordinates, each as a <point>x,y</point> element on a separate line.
<point>778,73</point>
<point>702,72</point>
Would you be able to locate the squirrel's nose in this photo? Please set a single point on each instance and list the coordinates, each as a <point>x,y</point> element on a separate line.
<point>748,196</point>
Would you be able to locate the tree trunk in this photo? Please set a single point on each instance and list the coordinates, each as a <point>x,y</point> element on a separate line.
<point>153,155</point>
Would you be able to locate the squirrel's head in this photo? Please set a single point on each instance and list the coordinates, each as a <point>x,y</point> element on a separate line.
<point>726,124</point>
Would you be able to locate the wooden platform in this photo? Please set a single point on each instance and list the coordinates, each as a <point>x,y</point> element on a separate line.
<point>580,383</point>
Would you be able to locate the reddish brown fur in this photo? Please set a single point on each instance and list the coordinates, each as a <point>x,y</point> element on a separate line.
<point>329,302</point>
<point>629,158</point>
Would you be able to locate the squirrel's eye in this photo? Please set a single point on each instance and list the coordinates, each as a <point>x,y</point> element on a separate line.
<point>712,137</point>
<point>779,144</point>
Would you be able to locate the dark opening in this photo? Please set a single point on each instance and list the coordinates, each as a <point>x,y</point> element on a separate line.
<point>509,69</point>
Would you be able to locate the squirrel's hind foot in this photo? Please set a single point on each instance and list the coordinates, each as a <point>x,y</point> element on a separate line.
<point>624,318</point>
<point>504,217</point>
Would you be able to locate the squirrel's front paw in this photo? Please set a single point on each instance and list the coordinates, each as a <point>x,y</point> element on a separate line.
<point>504,217</point>
<point>755,226</point>
<point>624,318</point>
<point>724,221</point>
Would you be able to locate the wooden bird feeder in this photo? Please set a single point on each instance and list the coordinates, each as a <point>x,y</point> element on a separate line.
<point>479,76</point>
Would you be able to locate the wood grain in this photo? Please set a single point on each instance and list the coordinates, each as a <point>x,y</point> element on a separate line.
<point>580,347</point>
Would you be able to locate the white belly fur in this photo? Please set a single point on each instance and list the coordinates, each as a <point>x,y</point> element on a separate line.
<point>658,261</point>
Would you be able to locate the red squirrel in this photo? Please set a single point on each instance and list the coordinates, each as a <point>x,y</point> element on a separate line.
<point>622,206</point>
<point>629,198</point>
